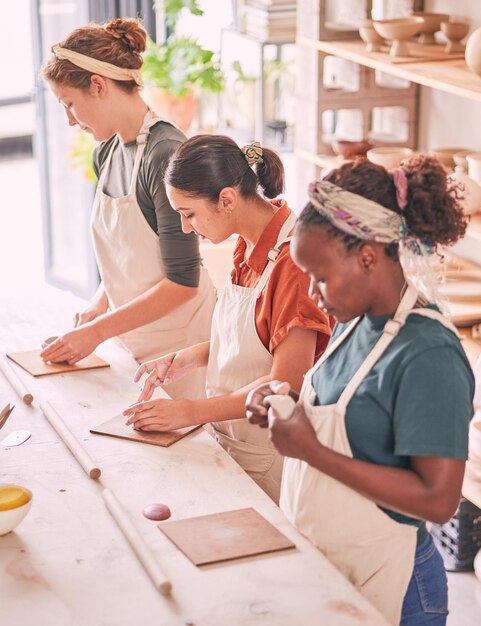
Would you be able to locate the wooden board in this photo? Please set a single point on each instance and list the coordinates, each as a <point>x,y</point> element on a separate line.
<point>418,53</point>
<point>31,362</point>
<point>116,427</point>
<point>225,536</point>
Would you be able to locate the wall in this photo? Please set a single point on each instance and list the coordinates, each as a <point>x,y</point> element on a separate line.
<point>447,120</point>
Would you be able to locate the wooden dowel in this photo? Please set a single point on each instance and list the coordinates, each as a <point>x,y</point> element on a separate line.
<point>138,545</point>
<point>15,381</point>
<point>69,440</point>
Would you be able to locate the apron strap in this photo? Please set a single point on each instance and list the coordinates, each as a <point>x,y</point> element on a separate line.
<point>142,138</point>
<point>390,331</point>
<point>275,251</point>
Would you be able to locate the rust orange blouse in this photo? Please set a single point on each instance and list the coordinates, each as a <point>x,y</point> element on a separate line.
<point>285,301</point>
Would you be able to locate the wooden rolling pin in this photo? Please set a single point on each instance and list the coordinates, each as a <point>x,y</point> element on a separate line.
<point>138,545</point>
<point>69,440</point>
<point>15,381</point>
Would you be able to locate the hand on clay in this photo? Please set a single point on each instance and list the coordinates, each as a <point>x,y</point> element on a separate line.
<point>256,410</point>
<point>295,437</point>
<point>159,415</point>
<point>73,346</point>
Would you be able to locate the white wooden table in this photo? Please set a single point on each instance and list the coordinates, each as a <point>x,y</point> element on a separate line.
<point>67,563</point>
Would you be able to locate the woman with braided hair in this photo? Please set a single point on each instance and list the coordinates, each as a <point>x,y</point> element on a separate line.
<point>264,326</point>
<point>154,293</point>
<point>378,442</point>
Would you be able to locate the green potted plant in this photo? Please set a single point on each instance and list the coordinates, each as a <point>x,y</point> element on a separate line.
<point>178,70</point>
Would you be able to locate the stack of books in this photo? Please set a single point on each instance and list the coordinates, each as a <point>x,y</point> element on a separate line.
<point>270,20</point>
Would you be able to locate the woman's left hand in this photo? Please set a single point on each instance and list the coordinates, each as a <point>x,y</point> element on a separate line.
<point>294,437</point>
<point>159,415</point>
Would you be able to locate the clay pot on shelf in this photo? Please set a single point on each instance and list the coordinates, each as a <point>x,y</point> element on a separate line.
<point>473,52</point>
<point>446,156</point>
<point>470,190</point>
<point>474,166</point>
<point>351,149</point>
<point>370,36</point>
<point>432,23</point>
<point>389,156</point>
<point>460,159</point>
<point>399,31</point>
<point>454,32</point>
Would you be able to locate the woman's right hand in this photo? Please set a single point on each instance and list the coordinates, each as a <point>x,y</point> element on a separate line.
<point>256,410</point>
<point>164,370</point>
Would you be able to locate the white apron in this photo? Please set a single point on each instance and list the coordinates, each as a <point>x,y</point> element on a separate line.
<point>237,357</point>
<point>130,263</point>
<point>372,550</point>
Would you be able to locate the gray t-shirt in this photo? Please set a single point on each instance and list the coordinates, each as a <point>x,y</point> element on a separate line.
<point>179,251</point>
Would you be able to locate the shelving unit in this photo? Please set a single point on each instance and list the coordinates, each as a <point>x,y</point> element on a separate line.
<point>450,76</point>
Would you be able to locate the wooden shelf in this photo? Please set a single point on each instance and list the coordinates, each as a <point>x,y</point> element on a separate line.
<point>450,76</point>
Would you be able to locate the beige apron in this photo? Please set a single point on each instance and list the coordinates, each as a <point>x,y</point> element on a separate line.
<point>372,550</point>
<point>237,357</point>
<point>130,263</point>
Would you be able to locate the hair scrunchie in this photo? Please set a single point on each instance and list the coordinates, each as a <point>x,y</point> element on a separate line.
<point>253,153</point>
<point>400,181</point>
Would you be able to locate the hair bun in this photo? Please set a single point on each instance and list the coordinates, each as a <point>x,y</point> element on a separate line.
<point>130,32</point>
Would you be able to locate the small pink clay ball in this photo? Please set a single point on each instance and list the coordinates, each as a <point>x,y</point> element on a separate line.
<point>157,512</point>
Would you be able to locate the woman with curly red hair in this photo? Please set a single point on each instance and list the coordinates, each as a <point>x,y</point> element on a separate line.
<point>154,292</point>
<point>377,445</point>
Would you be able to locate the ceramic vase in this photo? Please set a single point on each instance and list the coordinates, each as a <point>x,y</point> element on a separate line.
<point>473,52</point>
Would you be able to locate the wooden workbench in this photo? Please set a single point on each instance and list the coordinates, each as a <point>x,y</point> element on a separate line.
<point>67,564</point>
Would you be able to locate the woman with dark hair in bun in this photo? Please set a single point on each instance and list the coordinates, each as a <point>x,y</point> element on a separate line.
<point>154,294</point>
<point>265,326</point>
<point>378,442</point>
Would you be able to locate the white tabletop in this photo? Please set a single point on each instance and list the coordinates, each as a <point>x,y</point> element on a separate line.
<point>67,563</point>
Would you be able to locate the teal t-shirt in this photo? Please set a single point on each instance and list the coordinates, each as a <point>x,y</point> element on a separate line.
<point>417,400</point>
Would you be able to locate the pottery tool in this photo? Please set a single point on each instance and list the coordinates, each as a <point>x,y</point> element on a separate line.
<point>116,427</point>
<point>31,362</point>
<point>69,440</point>
<point>136,542</point>
<point>15,381</point>
<point>225,536</point>
<point>16,438</point>
<point>283,405</point>
<point>5,413</point>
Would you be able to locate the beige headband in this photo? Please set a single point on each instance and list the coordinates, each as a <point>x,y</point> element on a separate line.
<point>95,66</point>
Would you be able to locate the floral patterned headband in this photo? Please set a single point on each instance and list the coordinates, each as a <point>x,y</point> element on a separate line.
<point>363,218</point>
<point>354,214</point>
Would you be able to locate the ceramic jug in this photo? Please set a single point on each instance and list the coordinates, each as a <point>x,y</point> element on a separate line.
<point>473,51</point>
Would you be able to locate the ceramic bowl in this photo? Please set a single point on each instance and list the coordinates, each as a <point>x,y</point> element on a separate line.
<point>370,36</point>
<point>460,159</point>
<point>432,23</point>
<point>15,502</point>
<point>454,32</point>
<point>474,166</point>
<point>389,157</point>
<point>446,156</point>
<point>399,30</point>
<point>350,149</point>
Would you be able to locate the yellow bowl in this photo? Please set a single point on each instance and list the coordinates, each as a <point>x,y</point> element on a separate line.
<point>389,157</point>
<point>15,502</point>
